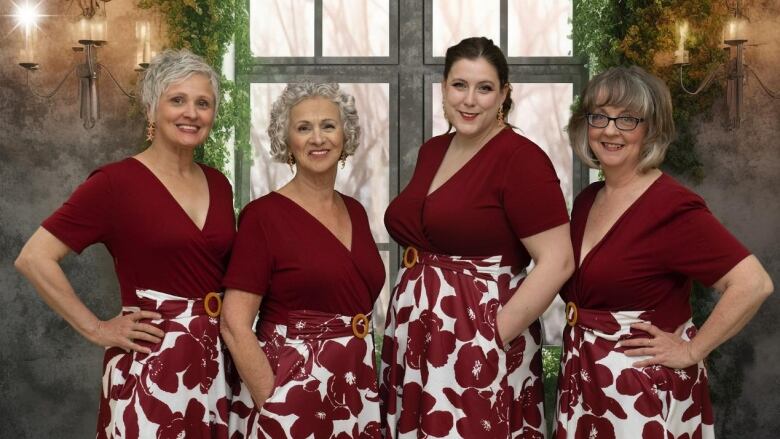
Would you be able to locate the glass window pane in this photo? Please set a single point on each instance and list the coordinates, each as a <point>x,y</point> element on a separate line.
<point>281,28</point>
<point>539,28</point>
<point>541,112</point>
<point>454,20</point>
<point>366,175</point>
<point>355,27</point>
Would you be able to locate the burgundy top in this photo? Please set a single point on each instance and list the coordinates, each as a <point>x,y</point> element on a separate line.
<point>647,259</point>
<point>154,243</point>
<point>290,258</point>
<point>507,191</point>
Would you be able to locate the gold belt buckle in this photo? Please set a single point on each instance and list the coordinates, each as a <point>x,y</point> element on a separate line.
<point>571,313</point>
<point>207,304</point>
<point>355,330</point>
<point>410,262</point>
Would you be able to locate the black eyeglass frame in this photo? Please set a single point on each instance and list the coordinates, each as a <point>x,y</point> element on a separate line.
<point>636,120</point>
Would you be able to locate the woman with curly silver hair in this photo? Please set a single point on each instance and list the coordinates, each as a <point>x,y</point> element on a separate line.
<point>633,361</point>
<point>305,252</point>
<point>168,222</point>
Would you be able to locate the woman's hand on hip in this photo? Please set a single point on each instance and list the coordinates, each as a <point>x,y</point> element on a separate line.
<point>664,348</point>
<point>123,331</point>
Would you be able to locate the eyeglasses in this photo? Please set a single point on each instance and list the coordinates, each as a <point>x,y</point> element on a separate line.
<point>623,123</point>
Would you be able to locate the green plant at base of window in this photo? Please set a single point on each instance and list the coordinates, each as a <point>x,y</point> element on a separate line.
<point>207,27</point>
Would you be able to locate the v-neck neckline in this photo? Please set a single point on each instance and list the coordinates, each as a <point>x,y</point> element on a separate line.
<point>428,192</point>
<point>176,202</point>
<point>581,260</point>
<point>327,230</point>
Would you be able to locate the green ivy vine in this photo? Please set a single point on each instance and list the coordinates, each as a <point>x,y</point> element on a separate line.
<point>644,33</point>
<point>207,27</point>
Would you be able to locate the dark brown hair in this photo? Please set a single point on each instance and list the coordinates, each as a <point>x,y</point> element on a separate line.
<point>481,47</point>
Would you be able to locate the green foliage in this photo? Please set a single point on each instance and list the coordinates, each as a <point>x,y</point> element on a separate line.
<point>644,33</point>
<point>551,364</point>
<point>207,27</point>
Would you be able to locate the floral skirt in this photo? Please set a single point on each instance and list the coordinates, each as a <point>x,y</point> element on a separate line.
<point>179,389</point>
<point>324,385</point>
<point>445,372</point>
<point>601,395</point>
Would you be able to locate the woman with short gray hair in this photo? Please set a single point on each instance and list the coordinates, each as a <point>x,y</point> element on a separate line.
<point>168,223</point>
<point>633,361</point>
<point>305,258</point>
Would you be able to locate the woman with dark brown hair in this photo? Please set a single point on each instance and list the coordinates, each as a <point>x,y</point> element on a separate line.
<point>461,354</point>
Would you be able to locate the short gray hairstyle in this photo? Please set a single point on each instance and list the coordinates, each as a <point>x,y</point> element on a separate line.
<point>292,95</point>
<point>172,66</point>
<point>638,92</point>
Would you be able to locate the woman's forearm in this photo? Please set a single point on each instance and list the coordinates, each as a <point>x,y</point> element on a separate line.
<point>533,296</point>
<point>738,304</point>
<point>250,360</point>
<point>53,286</point>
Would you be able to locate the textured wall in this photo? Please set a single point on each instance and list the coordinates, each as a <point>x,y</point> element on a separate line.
<point>49,375</point>
<point>743,174</point>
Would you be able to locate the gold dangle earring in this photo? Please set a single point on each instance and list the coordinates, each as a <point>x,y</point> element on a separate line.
<point>343,159</point>
<point>500,115</point>
<point>150,131</point>
<point>291,162</point>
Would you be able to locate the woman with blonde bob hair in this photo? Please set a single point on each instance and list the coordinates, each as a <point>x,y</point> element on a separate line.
<point>633,362</point>
<point>305,253</point>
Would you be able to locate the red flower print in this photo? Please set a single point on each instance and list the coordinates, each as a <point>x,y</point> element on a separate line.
<point>481,417</point>
<point>349,373</point>
<point>315,414</point>
<point>593,427</point>
<point>475,369</point>
<point>421,333</point>
<point>636,382</point>
<point>416,412</point>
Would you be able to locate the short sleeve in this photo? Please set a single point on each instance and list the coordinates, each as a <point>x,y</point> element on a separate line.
<point>698,244</point>
<point>84,218</point>
<point>532,196</point>
<point>251,262</point>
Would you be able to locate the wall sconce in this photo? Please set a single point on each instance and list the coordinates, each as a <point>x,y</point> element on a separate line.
<point>90,30</point>
<point>734,39</point>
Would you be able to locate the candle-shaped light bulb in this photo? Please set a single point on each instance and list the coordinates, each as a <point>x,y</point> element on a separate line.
<point>142,34</point>
<point>27,17</point>
<point>683,34</point>
<point>681,55</point>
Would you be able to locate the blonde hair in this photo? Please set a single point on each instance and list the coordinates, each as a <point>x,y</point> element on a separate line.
<point>637,91</point>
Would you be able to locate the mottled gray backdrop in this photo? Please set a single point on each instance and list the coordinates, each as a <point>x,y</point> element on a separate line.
<point>50,376</point>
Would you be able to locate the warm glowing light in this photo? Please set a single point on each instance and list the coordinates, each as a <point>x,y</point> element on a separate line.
<point>683,29</point>
<point>27,15</point>
<point>681,55</point>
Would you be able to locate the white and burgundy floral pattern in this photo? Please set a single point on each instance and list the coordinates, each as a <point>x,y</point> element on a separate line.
<point>601,396</point>
<point>444,371</point>
<point>325,382</point>
<point>178,390</point>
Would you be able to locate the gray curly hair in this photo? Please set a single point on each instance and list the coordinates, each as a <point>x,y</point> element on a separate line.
<point>169,67</point>
<point>292,95</point>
